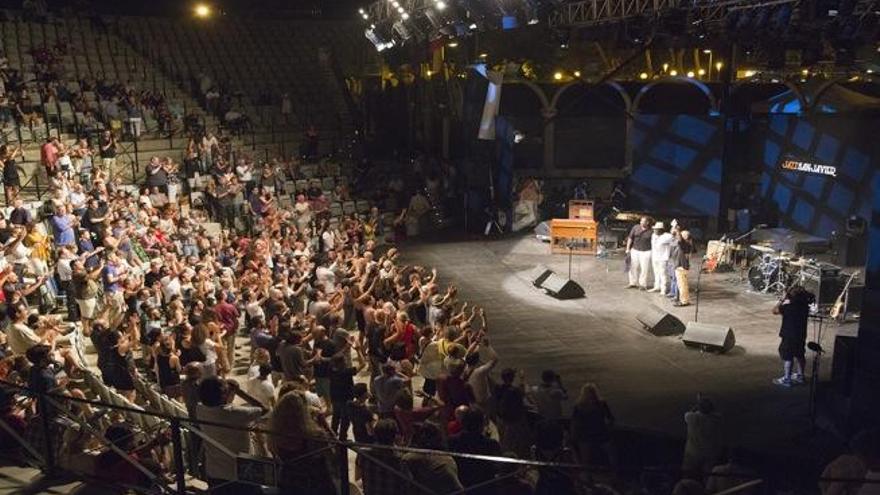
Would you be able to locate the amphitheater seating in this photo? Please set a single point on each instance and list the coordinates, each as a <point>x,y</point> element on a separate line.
<point>254,57</point>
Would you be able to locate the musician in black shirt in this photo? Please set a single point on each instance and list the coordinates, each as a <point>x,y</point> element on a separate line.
<point>795,310</point>
<point>638,247</point>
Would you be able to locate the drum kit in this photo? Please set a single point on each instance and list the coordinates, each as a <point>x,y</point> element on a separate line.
<point>775,271</point>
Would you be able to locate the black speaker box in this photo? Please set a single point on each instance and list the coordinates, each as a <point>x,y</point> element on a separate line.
<point>852,250</point>
<point>539,274</point>
<point>715,338</point>
<point>562,288</point>
<point>855,296</point>
<point>843,364</point>
<point>659,322</point>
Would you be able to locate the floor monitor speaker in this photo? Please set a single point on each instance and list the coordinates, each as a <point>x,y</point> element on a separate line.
<point>562,288</point>
<point>659,322</point>
<point>539,274</point>
<point>715,338</point>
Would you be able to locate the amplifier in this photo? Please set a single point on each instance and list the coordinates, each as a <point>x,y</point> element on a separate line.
<point>820,270</point>
<point>826,289</point>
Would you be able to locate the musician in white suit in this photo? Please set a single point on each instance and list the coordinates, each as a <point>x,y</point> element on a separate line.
<point>660,243</point>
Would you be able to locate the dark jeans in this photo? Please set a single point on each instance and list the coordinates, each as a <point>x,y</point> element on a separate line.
<point>341,422</point>
<point>226,214</point>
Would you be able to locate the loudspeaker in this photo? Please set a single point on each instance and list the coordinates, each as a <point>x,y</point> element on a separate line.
<point>659,322</point>
<point>715,338</point>
<point>852,250</point>
<point>843,364</point>
<point>539,274</point>
<point>562,288</point>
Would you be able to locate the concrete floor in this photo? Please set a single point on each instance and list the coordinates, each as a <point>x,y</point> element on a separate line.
<point>649,381</point>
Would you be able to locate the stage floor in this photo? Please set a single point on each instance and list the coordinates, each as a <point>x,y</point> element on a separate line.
<point>649,381</point>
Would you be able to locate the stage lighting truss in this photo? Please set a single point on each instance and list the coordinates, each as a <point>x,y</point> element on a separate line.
<point>584,13</point>
<point>420,19</point>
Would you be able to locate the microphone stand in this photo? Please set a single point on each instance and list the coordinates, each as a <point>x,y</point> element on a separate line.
<point>699,279</point>
<point>816,347</point>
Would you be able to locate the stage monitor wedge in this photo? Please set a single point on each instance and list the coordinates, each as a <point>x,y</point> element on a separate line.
<point>659,322</point>
<point>539,274</point>
<point>562,288</point>
<point>714,338</point>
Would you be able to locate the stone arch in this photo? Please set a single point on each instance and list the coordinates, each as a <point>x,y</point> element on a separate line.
<point>824,87</point>
<point>545,103</point>
<point>627,101</point>
<point>798,92</point>
<point>713,103</point>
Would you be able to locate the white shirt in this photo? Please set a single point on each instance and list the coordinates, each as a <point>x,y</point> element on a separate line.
<point>244,173</point>
<point>77,199</point>
<point>660,246</point>
<point>479,378</point>
<point>262,390</point>
<point>65,271</point>
<point>170,287</point>
<point>329,238</point>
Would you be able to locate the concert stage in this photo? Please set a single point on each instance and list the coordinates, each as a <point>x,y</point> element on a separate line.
<point>649,381</point>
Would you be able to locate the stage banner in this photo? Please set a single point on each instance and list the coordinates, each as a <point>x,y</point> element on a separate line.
<point>817,170</point>
<point>490,108</point>
<point>676,164</point>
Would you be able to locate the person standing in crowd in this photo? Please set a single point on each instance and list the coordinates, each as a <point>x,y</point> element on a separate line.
<point>549,396</point>
<point>11,179</point>
<point>49,155</point>
<point>705,438</point>
<point>638,247</point>
<point>216,407</point>
<point>107,151</point>
<point>474,440</point>
<point>794,307</point>
<point>591,426</point>
<point>660,242</point>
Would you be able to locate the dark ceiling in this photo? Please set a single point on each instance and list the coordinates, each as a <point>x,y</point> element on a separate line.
<point>336,9</point>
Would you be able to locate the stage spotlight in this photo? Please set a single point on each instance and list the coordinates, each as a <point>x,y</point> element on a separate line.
<point>749,73</point>
<point>690,74</point>
<point>643,76</point>
<point>707,51</point>
<point>452,44</point>
<point>673,73</point>
<point>440,5</point>
<point>869,71</point>
<point>805,72</point>
<point>665,67</point>
<point>557,76</point>
<point>484,55</point>
<point>701,72</point>
<point>577,73</point>
<point>202,11</point>
<point>473,26</point>
<point>719,65</point>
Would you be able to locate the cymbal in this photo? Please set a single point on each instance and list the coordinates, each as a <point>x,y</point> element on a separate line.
<point>762,249</point>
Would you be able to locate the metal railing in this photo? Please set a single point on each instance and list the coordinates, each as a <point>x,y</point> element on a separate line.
<point>185,440</point>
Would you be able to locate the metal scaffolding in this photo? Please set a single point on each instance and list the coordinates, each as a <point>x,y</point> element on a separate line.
<point>584,13</point>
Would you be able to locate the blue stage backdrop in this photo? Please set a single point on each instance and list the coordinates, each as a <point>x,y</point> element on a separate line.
<point>818,170</point>
<point>676,164</point>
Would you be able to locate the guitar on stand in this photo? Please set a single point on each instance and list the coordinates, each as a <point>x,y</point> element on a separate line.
<point>837,311</point>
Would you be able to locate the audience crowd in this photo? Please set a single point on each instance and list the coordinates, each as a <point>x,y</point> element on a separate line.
<point>280,326</point>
